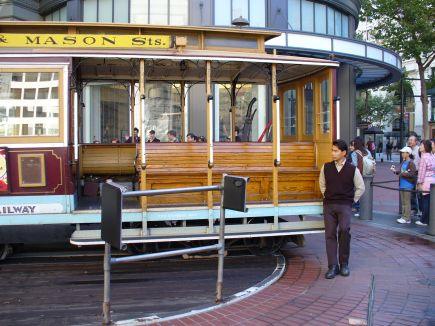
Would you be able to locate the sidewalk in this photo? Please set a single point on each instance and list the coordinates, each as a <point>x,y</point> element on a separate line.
<point>386,203</point>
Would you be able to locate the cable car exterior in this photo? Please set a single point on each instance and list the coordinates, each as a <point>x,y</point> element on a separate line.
<point>47,164</point>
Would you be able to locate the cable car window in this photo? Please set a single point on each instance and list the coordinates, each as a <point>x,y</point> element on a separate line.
<point>309,108</point>
<point>326,107</point>
<point>30,108</point>
<point>249,115</point>
<point>290,112</point>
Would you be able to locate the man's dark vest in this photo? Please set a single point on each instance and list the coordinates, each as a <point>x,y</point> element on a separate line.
<point>340,188</point>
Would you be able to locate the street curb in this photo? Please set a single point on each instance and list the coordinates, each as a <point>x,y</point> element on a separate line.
<point>268,281</point>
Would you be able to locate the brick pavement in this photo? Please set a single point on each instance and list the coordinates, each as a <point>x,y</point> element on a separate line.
<point>404,276</point>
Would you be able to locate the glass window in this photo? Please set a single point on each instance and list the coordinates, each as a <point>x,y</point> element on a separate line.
<point>337,23</point>
<point>120,14</point>
<point>250,114</point>
<point>29,93</point>
<point>163,107</point>
<point>28,112</point>
<point>344,25</point>
<point>257,11</point>
<point>158,12</point>
<point>307,16</point>
<point>31,77</point>
<point>331,23</point>
<point>240,9</point>
<point>24,119</point>
<point>309,108</point>
<point>320,18</point>
<point>294,15</point>
<point>326,107</point>
<point>62,14</point>
<point>43,93</point>
<point>90,10</point>
<point>139,11</point>
<point>179,10</point>
<point>45,76</point>
<point>105,11</point>
<point>290,112</point>
<point>222,17</point>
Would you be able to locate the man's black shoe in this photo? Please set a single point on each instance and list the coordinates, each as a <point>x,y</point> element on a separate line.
<point>344,270</point>
<point>332,272</point>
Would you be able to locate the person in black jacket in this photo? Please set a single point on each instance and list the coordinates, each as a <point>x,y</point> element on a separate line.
<point>341,184</point>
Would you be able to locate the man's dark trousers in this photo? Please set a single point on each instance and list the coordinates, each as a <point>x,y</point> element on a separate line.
<point>337,215</point>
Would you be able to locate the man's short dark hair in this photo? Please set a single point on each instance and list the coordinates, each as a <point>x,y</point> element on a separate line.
<point>136,129</point>
<point>172,133</point>
<point>152,132</point>
<point>192,135</point>
<point>340,144</point>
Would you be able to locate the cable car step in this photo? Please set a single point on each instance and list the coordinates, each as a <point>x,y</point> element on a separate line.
<point>192,233</point>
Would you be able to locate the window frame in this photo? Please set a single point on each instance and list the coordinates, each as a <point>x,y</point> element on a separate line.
<point>61,118</point>
<point>283,89</point>
<point>320,135</point>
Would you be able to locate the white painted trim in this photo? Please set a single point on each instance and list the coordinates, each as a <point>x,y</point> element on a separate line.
<point>173,56</point>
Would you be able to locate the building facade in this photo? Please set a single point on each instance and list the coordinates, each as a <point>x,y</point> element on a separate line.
<point>322,29</point>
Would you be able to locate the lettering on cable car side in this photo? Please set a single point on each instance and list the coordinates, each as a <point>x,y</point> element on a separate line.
<point>31,209</point>
<point>10,40</point>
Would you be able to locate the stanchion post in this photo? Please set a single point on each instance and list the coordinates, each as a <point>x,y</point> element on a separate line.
<point>366,200</point>
<point>221,252</point>
<point>431,227</point>
<point>107,320</point>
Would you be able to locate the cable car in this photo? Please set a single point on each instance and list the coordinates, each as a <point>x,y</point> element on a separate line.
<point>155,107</point>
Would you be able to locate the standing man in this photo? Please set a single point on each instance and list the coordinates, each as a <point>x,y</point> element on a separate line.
<point>341,185</point>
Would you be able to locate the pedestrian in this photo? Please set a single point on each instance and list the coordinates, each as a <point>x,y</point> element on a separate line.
<point>426,176</point>
<point>407,176</point>
<point>341,185</point>
<point>371,146</point>
<point>389,149</point>
<point>415,198</point>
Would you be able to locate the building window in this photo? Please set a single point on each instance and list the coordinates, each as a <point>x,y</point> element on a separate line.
<point>253,10</point>
<point>331,19</point>
<point>159,12</point>
<point>294,15</point>
<point>325,107</point>
<point>290,112</point>
<point>108,11</point>
<point>307,16</point>
<point>320,18</point>
<point>33,112</point>
<point>309,108</point>
<point>57,15</point>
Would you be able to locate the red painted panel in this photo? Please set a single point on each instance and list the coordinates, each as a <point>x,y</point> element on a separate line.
<point>57,172</point>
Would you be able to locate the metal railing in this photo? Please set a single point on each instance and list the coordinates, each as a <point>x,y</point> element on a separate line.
<point>233,196</point>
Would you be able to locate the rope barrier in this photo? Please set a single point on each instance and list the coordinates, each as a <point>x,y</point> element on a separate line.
<point>377,184</point>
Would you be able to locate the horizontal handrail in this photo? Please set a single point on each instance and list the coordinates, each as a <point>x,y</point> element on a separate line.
<point>165,254</point>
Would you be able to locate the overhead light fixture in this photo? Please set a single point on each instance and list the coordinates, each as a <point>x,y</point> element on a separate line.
<point>240,22</point>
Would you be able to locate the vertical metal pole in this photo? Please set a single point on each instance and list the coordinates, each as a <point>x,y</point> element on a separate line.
<point>221,252</point>
<point>106,302</point>
<point>431,228</point>
<point>402,109</point>
<point>366,200</point>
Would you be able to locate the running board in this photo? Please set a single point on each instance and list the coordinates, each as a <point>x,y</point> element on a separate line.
<point>192,233</point>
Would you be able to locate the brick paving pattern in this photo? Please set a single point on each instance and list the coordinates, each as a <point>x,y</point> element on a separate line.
<point>404,277</point>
